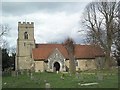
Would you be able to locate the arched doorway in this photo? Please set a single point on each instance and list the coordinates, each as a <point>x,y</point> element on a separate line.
<point>57,66</point>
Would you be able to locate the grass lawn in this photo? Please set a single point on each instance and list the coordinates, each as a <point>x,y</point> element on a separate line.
<point>110,80</point>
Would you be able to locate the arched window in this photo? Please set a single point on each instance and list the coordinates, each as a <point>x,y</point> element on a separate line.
<point>25,35</point>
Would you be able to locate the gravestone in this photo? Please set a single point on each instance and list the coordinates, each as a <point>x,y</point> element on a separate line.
<point>81,78</point>
<point>31,76</point>
<point>57,72</point>
<point>13,73</point>
<point>17,72</point>
<point>62,76</point>
<point>77,75</point>
<point>47,86</point>
<point>21,72</point>
<point>99,77</point>
<point>45,81</point>
<point>28,72</point>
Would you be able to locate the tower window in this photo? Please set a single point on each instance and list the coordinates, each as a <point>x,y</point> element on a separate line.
<point>25,35</point>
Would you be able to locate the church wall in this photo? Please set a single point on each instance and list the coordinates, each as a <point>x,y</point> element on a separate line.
<point>45,66</point>
<point>83,64</point>
<point>39,66</point>
<point>86,64</point>
<point>23,63</point>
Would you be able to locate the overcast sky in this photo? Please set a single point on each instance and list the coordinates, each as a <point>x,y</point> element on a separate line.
<point>53,21</point>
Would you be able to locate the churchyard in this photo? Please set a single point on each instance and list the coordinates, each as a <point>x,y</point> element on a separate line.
<point>86,79</point>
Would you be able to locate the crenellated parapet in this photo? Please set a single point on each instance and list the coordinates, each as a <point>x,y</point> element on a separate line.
<point>26,24</point>
<point>25,44</point>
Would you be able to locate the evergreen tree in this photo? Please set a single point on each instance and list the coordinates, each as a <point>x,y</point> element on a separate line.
<point>5,59</point>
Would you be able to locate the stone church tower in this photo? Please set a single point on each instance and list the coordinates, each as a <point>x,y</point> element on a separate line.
<point>25,43</point>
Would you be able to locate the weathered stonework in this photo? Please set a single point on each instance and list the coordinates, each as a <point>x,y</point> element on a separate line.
<point>24,55</point>
<point>39,66</point>
<point>56,56</point>
<point>25,45</point>
<point>87,64</point>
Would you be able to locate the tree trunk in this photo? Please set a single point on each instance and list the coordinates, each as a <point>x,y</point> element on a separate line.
<point>69,45</point>
<point>107,60</point>
<point>72,64</point>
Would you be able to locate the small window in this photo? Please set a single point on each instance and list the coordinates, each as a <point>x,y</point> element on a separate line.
<point>25,35</point>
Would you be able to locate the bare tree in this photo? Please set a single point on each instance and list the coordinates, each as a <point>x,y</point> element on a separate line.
<point>100,20</point>
<point>117,40</point>
<point>4,28</point>
<point>69,45</point>
<point>117,51</point>
<point>12,50</point>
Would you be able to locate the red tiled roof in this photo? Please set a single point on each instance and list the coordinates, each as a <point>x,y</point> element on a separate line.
<point>42,51</point>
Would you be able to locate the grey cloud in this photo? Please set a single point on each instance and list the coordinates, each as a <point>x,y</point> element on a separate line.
<point>21,8</point>
<point>44,32</point>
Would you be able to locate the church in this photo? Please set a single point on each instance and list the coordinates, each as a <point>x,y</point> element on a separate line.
<point>52,57</point>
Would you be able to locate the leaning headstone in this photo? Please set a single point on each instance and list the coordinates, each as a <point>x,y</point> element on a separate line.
<point>47,86</point>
